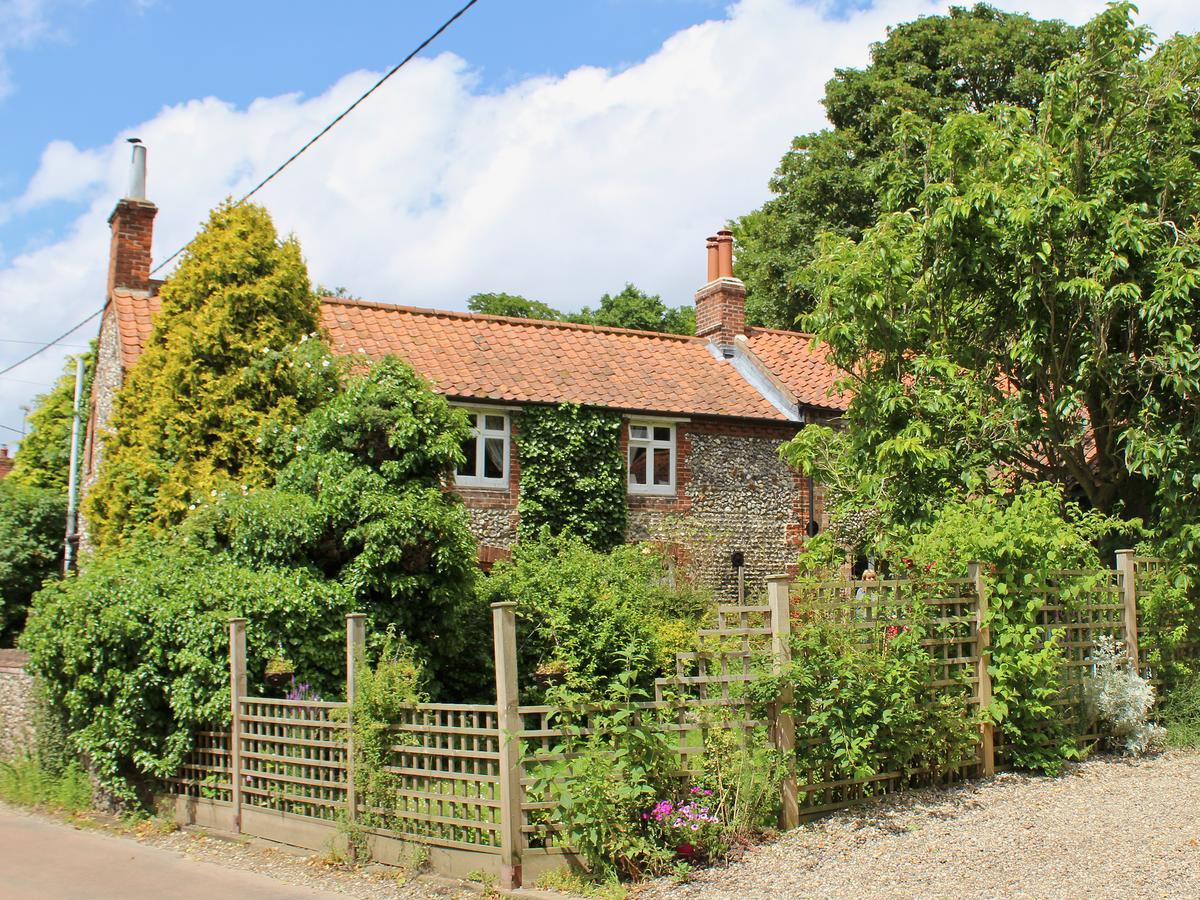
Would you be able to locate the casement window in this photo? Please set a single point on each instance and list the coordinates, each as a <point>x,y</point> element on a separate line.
<point>651,458</point>
<point>486,452</point>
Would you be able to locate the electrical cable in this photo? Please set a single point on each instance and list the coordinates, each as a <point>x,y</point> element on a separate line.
<point>287,162</point>
<point>345,112</point>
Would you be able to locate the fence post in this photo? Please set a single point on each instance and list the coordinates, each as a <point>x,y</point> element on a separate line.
<point>237,690</point>
<point>783,726</point>
<point>983,684</point>
<point>356,651</point>
<point>1127,574</point>
<point>508,720</point>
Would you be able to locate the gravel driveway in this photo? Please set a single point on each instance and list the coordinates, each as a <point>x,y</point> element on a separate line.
<point>1107,828</point>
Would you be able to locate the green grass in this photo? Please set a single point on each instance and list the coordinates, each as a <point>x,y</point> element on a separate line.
<point>1181,714</point>
<point>24,782</point>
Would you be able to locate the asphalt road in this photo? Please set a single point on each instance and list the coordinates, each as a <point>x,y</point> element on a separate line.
<point>48,861</point>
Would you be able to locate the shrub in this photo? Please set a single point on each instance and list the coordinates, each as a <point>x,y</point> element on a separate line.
<point>134,651</point>
<point>1120,700</point>
<point>604,789</point>
<point>31,544</point>
<point>44,458</point>
<point>362,503</point>
<point>1023,540</point>
<point>865,704</point>
<point>581,610</point>
<point>228,366</point>
<point>1180,713</point>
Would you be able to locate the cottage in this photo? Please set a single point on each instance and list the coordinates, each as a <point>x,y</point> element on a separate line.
<point>702,416</point>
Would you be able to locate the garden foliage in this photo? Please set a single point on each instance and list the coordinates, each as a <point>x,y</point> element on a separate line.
<point>361,503</point>
<point>31,547</point>
<point>223,374</point>
<point>578,610</point>
<point>1023,541</point>
<point>572,474</point>
<point>1120,701</point>
<point>134,650</point>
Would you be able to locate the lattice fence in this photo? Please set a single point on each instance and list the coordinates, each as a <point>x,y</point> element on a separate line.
<point>293,756</point>
<point>205,771</point>
<point>445,763</point>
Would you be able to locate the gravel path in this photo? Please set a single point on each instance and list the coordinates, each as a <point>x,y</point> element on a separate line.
<point>1107,828</point>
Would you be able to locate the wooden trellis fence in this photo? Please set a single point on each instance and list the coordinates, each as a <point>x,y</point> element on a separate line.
<point>462,774</point>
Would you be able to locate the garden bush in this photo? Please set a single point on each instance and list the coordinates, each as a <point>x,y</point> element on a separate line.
<point>361,502</point>
<point>579,610</point>
<point>1119,700</point>
<point>1180,713</point>
<point>133,652</point>
<point>31,545</point>
<point>864,701</point>
<point>1023,540</point>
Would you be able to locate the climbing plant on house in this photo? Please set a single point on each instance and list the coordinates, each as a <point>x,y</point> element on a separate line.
<point>227,369</point>
<point>572,474</point>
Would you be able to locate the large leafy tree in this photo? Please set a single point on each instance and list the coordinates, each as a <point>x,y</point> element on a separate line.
<point>933,68</point>
<point>220,377</point>
<point>631,307</point>
<point>512,305</point>
<point>1027,300</point>
<point>44,457</point>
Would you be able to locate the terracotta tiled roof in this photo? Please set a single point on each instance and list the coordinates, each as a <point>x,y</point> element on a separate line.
<point>528,361</point>
<point>135,319</point>
<point>494,358</point>
<point>803,367</point>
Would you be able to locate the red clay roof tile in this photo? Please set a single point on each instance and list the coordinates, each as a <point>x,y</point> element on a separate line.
<point>480,357</point>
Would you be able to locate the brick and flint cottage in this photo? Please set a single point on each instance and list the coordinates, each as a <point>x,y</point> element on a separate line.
<point>702,416</point>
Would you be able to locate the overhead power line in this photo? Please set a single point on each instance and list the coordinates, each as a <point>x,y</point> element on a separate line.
<point>345,112</point>
<point>43,349</point>
<point>287,162</point>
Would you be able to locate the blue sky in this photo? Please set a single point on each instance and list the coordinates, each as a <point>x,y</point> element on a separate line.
<point>554,148</point>
<point>86,74</point>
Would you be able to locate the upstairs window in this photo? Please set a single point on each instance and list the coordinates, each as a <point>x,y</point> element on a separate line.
<point>486,452</point>
<point>651,458</point>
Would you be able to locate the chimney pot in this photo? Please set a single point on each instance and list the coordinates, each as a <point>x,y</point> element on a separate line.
<point>713,269</point>
<point>724,254</point>
<point>137,171</point>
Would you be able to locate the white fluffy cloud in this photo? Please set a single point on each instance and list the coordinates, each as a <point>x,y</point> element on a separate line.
<point>559,188</point>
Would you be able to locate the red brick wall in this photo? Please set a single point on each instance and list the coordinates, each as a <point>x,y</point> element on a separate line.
<point>129,258</point>
<point>6,463</point>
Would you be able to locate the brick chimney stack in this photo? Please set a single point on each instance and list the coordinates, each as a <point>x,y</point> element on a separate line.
<point>132,231</point>
<point>721,303</point>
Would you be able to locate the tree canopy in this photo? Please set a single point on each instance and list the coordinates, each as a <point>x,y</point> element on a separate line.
<point>512,305</point>
<point>632,307</point>
<point>43,460</point>
<point>1025,302</point>
<point>932,69</point>
<point>32,525</point>
<point>225,371</point>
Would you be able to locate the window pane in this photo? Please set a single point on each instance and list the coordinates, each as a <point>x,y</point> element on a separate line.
<point>639,432</point>
<point>662,465</point>
<point>467,467</point>
<point>637,465</point>
<point>493,458</point>
<point>473,419</point>
<point>493,423</point>
<point>662,432</point>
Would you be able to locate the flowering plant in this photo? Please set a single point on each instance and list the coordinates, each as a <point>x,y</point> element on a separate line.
<point>690,826</point>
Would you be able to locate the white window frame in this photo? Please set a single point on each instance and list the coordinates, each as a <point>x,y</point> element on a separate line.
<point>651,489</point>
<point>481,433</point>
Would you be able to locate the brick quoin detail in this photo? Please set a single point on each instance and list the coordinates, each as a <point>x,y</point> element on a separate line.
<point>129,259</point>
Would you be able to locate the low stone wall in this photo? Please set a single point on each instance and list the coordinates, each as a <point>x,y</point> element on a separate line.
<point>16,705</point>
